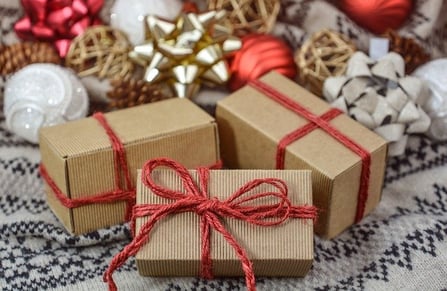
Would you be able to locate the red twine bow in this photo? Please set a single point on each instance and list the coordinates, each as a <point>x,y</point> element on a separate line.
<point>195,199</point>
<point>57,21</point>
<point>121,170</point>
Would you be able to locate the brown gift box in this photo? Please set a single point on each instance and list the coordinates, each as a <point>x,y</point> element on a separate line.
<point>78,155</point>
<point>251,125</point>
<point>174,245</point>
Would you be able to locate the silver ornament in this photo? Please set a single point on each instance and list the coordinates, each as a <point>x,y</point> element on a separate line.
<point>42,95</point>
<point>435,75</point>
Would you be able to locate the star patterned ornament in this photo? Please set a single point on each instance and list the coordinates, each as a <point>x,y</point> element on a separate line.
<point>188,52</point>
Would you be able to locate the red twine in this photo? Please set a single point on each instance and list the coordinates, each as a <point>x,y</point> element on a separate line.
<point>57,21</point>
<point>195,199</point>
<point>318,122</point>
<point>126,193</point>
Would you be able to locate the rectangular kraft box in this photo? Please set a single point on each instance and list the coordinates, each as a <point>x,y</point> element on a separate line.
<point>251,125</point>
<point>174,245</point>
<point>78,155</point>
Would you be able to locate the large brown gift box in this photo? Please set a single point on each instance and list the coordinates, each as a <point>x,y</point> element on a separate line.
<point>78,155</point>
<point>174,248</point>
<point>251,125</point>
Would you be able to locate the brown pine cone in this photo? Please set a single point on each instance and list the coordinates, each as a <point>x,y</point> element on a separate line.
<point>413,54</point>
<point>16,56</point>
<point>131,92</point>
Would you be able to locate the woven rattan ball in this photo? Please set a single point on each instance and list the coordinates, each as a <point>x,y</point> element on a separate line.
<point>100,51</point>
<point>324,54</point>
<point>249,16</point>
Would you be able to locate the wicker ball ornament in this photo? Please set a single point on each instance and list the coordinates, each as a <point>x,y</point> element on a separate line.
<point>249,16</point>
<point>324,54</point>
<point>100,51</point>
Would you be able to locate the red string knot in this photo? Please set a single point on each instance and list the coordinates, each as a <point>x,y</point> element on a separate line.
<point>207,204</point>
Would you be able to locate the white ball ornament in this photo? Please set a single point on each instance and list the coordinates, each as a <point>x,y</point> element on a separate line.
<point>435,75</point>
<point>128,15</point>
<point>42,95</point>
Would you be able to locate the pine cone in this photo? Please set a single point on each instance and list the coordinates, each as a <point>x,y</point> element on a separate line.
<point>19,55</point>
<point>131,92</point>
<point>413,54</point>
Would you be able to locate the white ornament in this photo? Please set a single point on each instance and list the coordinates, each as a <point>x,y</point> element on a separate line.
<point>42,95</point>
<point>378,95</point>
<point>128,15</point>
<point>435,75</point>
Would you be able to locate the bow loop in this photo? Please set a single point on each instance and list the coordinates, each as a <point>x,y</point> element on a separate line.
<point>188,184</point>
<point>262,207</point>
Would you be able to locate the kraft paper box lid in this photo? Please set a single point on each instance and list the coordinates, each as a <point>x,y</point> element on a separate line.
<point>251,126</point>
<point>78,155</point>
<point>174,245</point>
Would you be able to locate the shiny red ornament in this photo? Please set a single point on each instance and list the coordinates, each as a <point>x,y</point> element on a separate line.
<point>57,21</point>
<point>377,15</point>
<point>260,54</point>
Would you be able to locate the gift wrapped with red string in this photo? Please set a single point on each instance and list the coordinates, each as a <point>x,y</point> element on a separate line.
<point>89,165</point>
<point>220,223</point>
<point>273,123</point>
<point>57,21</point>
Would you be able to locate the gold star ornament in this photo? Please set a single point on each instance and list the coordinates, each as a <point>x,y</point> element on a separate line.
<point>188,52</point>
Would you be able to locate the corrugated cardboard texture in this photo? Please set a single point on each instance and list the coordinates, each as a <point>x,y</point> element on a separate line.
<point>79,157</point>
<point>251,125</point>
<point>174,246</point>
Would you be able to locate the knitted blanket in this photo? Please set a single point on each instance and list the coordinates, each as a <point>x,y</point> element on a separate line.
<point>401,245</point>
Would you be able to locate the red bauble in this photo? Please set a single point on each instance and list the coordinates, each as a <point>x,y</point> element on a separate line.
<point>260,54</point>
<point>377,15</point>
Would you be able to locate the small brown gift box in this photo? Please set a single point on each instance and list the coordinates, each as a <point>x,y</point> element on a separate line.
<point>174,248</point>
<point>251,125</point>
<point>78,155</point>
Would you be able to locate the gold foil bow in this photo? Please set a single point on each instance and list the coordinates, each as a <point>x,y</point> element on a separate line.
<point>188,52</point>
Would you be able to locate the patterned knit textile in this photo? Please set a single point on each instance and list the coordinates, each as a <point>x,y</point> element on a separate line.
<point>402,245</point>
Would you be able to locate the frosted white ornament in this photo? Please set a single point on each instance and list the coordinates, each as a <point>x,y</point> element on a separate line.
<point>128,15</point>
<point>42,95</point>
<point>435,75</point>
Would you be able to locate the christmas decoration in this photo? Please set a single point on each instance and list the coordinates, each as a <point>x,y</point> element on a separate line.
<point>380,96</point>
<point>273,123</point>
<point>242,214</point>
<point>128,15</point>
<point>42,95</point>
<point>130,92</point>
<point>188,52</point>
<point>57,21</point>
<point>323,55</point>
<point>260,53</point>
<point>414,55</point>
<point>99,157</point>
<point>249,16</point>
<point>19,55</point>
<point>101,51</point>
<point>377,15</point>
<point>434,74</point>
